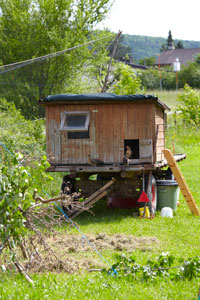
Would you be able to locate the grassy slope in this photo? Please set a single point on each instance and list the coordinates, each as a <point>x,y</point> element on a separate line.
<point>179,236</point>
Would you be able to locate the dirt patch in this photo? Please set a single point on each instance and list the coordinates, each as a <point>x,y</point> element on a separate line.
<point>71,253</point>
<point>119,242</point>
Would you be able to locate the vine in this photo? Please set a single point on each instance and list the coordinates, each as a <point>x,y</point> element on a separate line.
<point>164,267</point>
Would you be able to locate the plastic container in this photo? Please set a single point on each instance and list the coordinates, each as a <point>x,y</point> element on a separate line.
<point>167,194</point>
<point>147,214</point>
<point>166,212</point>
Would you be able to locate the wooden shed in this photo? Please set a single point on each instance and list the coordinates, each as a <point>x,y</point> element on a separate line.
<point>93,133</point>
<point>102,125</point>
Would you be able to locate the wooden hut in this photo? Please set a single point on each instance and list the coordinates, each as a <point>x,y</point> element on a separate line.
<point>89,134</point>
<point>102,125</point>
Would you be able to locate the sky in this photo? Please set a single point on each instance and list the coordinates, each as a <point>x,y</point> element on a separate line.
<point>155,18</point>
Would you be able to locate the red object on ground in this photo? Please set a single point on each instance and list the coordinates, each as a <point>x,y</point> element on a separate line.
<point>143,198</point>
<point>122,202</point>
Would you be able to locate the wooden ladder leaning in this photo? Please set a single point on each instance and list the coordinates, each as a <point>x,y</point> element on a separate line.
<point>181,182</point>
<point>92,199</point>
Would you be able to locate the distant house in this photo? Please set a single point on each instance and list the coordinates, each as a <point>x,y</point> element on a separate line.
<point>168,57</point>
<point>131,63</point>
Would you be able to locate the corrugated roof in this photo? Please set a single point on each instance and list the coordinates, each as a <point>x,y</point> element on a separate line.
<point>101,97</point>
<point>184,55</point>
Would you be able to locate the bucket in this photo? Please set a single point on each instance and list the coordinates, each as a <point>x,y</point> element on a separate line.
<point>166,212</point>
<point>141,209</point>
<point>167,194</point>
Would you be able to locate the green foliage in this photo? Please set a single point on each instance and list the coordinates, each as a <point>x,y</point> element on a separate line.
<point>33,29</point>
<point>190,75</point>
<point>148,46</point>
<point>122,48</point>
<point>169,80</point>
<point>179,45</point>
<point>163,267</point>
<point>197,59</point>
<point>127,80</point>
<point>147,61</point>
<point>171,44</point>
<point>190,106</point>
<point>16,189</point>
<point>85,286</point>
<point>150,79</point>
<point>20,134</point>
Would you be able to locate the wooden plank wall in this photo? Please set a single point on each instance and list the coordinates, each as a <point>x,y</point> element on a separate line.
<point>53,137</point>
<point>160,144</point>
<point>110,125</point>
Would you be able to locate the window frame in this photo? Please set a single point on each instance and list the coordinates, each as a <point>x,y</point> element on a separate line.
<point>64,115</point>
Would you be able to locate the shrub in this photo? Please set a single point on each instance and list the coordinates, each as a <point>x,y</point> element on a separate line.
<point>127,81</point>
<point>190,106</point>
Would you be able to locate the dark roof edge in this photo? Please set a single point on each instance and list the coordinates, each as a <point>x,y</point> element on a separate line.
<point>90,98</point>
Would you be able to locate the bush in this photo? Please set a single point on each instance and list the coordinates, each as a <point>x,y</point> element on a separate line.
<point>190,75</point>
<point>17,185</point>
<point>190,106</point>
<point>20,134</point>
<point>127,81</point>
<point>150,79</point>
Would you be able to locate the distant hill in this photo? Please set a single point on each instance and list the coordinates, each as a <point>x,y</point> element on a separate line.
<point>147,46</point>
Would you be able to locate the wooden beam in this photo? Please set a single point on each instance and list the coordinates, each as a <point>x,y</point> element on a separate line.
<point>181,182</point>
<point>99,194</point>
<point>104,88</point>
<point>99,169</point>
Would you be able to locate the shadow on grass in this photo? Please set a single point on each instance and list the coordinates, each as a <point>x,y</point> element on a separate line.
<point>103,214</point>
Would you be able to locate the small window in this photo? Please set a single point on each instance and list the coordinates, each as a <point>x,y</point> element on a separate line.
<point>75,121</point>
<point>78,135</point>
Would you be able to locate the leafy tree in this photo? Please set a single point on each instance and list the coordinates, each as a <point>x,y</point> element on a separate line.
<point>127,81</point>
<point>190,75</point>
<point>179,45</point>
<point>150,79</point>
<point>30,29</point>
<point>17,184</point>
<point>20,134</point>
<point>123,48</point>
<point>170,41</point>
<point>22,169</point>
<point>190,106</point>
<point>147,61</point>
<point>197,59</point>
<point>169,80</point>
<point>171,44</point>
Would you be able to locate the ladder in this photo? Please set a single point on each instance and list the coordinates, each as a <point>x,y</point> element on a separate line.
<point>181,182</point>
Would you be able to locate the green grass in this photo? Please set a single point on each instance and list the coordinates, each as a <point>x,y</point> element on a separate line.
<point>94,287</point>
<point>168,97</point>
<point>178,236</point>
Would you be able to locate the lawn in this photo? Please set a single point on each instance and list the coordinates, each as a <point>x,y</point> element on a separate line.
<point>178,236</point>
<point>168,97</point>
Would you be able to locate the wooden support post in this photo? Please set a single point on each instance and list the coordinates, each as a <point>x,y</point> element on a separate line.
<point>181,182</point>
<point>109,66</point>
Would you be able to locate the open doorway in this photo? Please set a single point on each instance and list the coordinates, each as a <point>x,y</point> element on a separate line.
<point>134,145</point>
